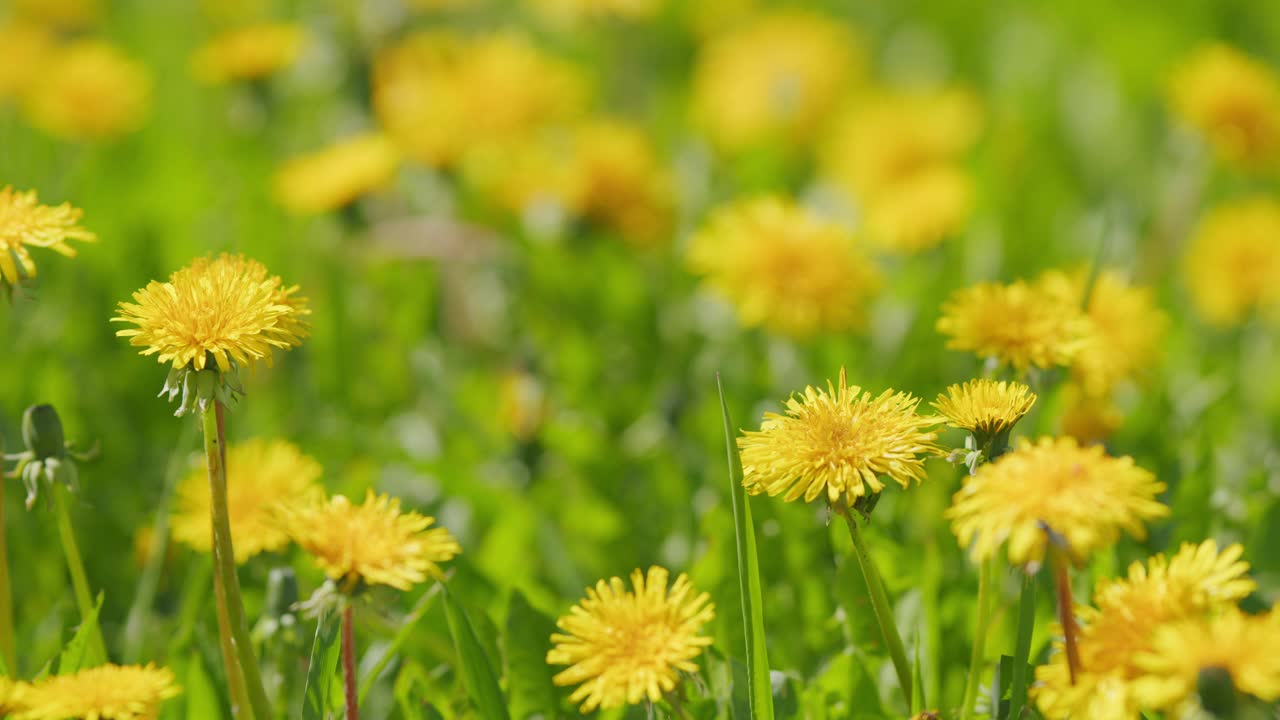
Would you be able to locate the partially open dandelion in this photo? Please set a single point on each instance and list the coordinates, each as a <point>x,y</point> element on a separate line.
<point>628,646</point>
<point>375,543</point>
<point>1232,99</point>
<point>263,478</point>
<point>89,90</point>
<point>107,692</point>
<point>1233,263</point>
<point>1017,324</point>
<point>784,267</point>
<point>25,223</point>
<point>249,52</point>
<point>336,176</point>
<point>1079,493</point>
<point>986,408</point>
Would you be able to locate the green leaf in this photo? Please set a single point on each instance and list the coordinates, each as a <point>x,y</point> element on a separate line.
<point>528,635</point>
<point>477,673</point>
<point>761,690</point>
<point>917,681</point>
<point>322,695</point>
<point>82,651</point>
<point>203,700</point>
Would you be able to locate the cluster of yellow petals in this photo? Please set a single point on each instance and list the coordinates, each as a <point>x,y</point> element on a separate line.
<point>1242,645</point>
<point>107,692</point>
<point>263,478</point>
<point>25,223</point>
<point>375,543</point>
<point>837,444</point>
<point>570,12</point>
<point>1234,100</point>
<point>1233,264</point>
<point>26,45</point>
<point>336,176</point>
<point>1080,493</point>
<point>1021,324</point>
<point>626,646</point>
<point>1118,633</point>
<point>776,77</point>
<point>248,52</point>
<point>985,407</point>
<point>88,90</point>
<point>215,311</point>
<point>784,267</point>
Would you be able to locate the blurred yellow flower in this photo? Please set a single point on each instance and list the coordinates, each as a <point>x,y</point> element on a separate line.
<point>1079,493</point>
<point>372,544</point>
<point>570,12</point>
<point>1121,625</point>
<point>525,174</point>
<point>12,695</point>
<point>263,478</point>
<point>25,223</point>
<point>1233,263</point>
<point>1088,418</point>
<point>522,404</point>
<point>627,646</point>
<point>838,444</point>
<point>1018,324</point>
<point>248,52</point>
<point>984,407</point>
<point>919,211</point>
<point>26,46</point>
<point>775,78</point>
<point>621,182</point>
<point>215,312</point>
<point>107,692</point>
<point>89,90</point>
<point>1244,646</point>
<point>440,95</point>
<point>784,268</point>
<point>1233,100</point>
<point>336,176</point>
<point>63,14</point>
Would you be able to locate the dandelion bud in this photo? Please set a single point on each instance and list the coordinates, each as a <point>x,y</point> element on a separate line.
<point>42,432</point>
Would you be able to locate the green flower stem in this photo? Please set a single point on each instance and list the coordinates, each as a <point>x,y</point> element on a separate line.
<point>7,644</point>
<point>880,605</point>
<point>236,690</point>
<point>349,663</point>
<point>985,571</point>
<point>1022,649</point>
<point>236,630</point>
<point>75,565</point>
<point>1066,610</point>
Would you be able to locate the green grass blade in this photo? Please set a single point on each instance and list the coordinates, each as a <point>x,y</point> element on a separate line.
<point>83,650</point>
<point>761,695</point>
<point>321,696</point>
<point>477,673</point>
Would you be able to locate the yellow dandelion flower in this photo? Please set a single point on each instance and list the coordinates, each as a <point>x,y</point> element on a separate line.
<point>1233,100</point>
<point>837,444</point>
<point>1080,493</point>
<point>1127,328</point>
<point>624,646</point>
<point>337,175</point>
<point>89,90</point>
<point>1242,645</point>
<point>775,78</point>
<point>248,52</point>
<point>919,211</point>
<point>108,692</point>
<point>986,408</point>
<point>12,694</point>
<point>572,12</point>
<point>374,543</point>
<point>216,311</point>
<point>25,223</point>
<point>1087,418</point>
<point>621,182</point>
<point>262,478</point>
<point>1017,324</point>
<point>784,268</point>
<point>26,46</point>
<point>526,174</point>
<point>1123,621</point>
<point>59,14</point>
<point>1233,263</point>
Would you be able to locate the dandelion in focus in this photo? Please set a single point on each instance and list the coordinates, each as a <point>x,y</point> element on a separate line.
<point>25,223</point>
<point>107,692</point>
<point>263,478</point>
<point>336,176</point>
<point>985,408</point>
<point>776,77</point>
<point>375,543</point>
<point>1233,100</point>
<point>89,90</point>
<point>248,53</point>
<point>627,646</point>
<point>837,444</point>
<point>1232,266</point>
<point>1079,493</point>
<point>784,268</point>
<point>1018,324</point>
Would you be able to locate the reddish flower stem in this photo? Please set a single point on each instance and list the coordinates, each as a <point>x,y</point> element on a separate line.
<point>349,664</point>
<point>1066,613</point>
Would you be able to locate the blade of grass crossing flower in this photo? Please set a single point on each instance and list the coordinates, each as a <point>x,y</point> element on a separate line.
<point>881,608</point>
<point>322,696</point>
<point>761,695</point>
<point>1022,648</point>
<point>477,673</point>
<point>406,628</point>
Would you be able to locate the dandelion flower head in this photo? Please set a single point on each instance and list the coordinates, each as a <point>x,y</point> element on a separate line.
<point>567,13</point>
<point>1233,263</point>
<point>25,223</point>
<point>621,181</point>
<point>263,478</point>
<point>837,444</point>
<point>249,52</point>
<point>1019,324</point>
<point>1232,99</point>
<point>89,90</point>
<point>336,176</point>
<point>1088,418</point>
<point>784,267</point>
<point>919,211</point>
<point>26,45</point>
<point>1080,493</point>
<point>626,646</point>
<point>215,312</point>
<point>375,543</point>
<point>107,692</point>
<point>984,407</point>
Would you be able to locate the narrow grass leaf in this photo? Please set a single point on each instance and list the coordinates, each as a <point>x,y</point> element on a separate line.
<point>477,673</point>
<point>82,651</point>
<point>321,696</point>
<point>528,638</point>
